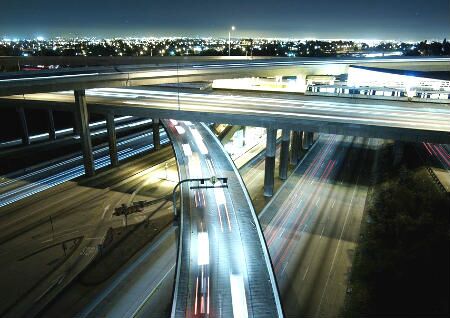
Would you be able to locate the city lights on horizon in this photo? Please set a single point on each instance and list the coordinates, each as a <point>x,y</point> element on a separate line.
<point>236,35</point>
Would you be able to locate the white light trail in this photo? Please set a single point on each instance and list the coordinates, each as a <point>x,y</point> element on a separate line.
<point>187,150</point>
<point>203,248</point>
<point>180,130</point>
<point>238,296</point>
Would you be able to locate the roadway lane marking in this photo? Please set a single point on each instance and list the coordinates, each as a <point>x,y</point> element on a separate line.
<point>150,294</point>
<point>337,248</point>
<point>104,211</point>
<point>321,233</point>
<point>306,272</point>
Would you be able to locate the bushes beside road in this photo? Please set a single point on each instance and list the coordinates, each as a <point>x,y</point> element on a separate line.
<point>402,263</point>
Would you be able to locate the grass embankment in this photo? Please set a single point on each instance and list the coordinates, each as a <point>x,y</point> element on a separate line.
<point>401,267</point>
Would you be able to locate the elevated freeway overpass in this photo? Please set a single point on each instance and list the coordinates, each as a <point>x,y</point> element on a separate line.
<point>176,70</point>
<point>400,121</point>
<point>345,116</point>
<point>223,266</point>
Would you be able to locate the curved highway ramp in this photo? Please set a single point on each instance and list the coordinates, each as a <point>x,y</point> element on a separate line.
<point>223,266</point>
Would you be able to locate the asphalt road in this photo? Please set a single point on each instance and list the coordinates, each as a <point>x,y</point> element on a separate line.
<point>153,274</point>
<point>311,238</point>
<point>223,267</point>
<point>96,128</point>
<point>24,183</point>
<point>438,158</point>
<point>44,221</point>
<point>312,225</point>
<point>148,280</point>
<point>36,231</point>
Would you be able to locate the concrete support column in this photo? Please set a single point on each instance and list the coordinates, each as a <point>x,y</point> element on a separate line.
<point>156,135</point>
<point>284,154</point>
<point>310,138</point>
<point>112,139</point>
<point>82,116</point>
<point>51,126</point>
<point>305,140</point>
<point>76,122</point>
<point>23,123</point>
<point>269,172</point>
<point>295,147</point>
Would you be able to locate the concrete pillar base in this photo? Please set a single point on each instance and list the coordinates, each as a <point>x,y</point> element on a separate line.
<point>295,147</point>
<point>305,141</point>
<point>284,154</point>
<point>269,172</point>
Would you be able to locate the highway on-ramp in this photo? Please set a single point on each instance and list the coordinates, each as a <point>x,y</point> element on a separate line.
<point>223,267</point>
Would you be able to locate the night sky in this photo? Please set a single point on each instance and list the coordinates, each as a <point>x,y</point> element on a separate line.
<point>326,19</point>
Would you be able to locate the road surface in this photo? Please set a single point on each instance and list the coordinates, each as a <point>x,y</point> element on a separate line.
<point>312,224</point>
<point>24,183</point>
<point>35,231</point>
<point>144,287</point>
<point>223,267</point>
<point>96,129</point>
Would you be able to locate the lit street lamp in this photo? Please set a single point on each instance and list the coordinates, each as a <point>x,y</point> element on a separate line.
<point>223,183</point>
<point>229,40</point>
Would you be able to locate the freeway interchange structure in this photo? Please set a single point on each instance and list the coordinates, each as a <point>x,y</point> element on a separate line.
<point>223,264</point>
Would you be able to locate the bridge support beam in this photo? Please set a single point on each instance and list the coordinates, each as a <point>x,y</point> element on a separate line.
<point>112,139</point>
<point>23,124</point>
<point>269,172</point>
<point>51,126</point>
<point>284,154</point>
<point>82,116</point>
<point>295,146</point>
<point>156,135</point>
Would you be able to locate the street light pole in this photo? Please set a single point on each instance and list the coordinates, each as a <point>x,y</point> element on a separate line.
<point>229,40</point>
<point>202,181</point>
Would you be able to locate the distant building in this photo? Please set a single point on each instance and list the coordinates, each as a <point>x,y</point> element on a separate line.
<point>412,82</point>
